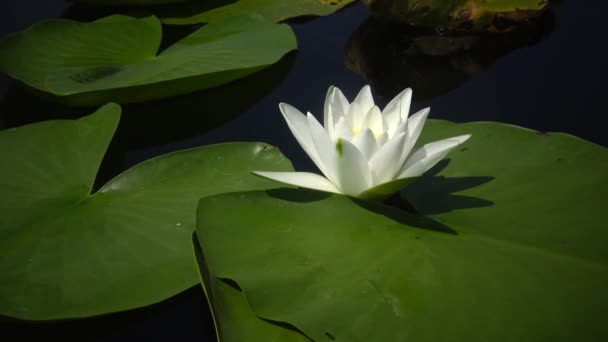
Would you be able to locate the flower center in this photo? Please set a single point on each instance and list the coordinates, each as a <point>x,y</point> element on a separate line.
<point>356,131</point>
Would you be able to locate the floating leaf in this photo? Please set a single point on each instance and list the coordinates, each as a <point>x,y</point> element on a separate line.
<point>233,318</point>
<point>520,254</point>
<point>275,10</point>
<point>460,15</point>
<point>114,58</point>
<point>130,2</point>
<point>69,253</point>
<point>548,189</point>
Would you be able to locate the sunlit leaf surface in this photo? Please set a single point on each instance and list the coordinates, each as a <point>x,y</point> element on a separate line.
<point>517,250</point>
<point>116,59</point>
<point>68,252</point>
<point>276,10</point>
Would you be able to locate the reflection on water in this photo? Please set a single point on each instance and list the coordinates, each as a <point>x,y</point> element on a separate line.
<point>392,56</point>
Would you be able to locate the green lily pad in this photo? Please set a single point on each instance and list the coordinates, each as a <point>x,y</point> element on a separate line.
<point>460,15</point>
<point>130,2</point>
<point>518,252</point>
<point>115,58</point>
<point>275,10</point>
<point>547,187</point>
<point>67,252</point>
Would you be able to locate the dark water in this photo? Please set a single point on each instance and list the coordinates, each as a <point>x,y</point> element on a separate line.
<point>548,79</point>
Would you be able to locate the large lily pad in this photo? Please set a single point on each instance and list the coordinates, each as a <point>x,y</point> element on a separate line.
<point>130,2</point>
<point>276,10</point>
<point>548,188</point>
<point>233,318</point>
<point>520,255</point>
<point>460,15</point>
<point>69,253</point>
<point>115,58</point>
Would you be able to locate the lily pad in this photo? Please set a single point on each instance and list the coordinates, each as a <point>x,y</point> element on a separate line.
<point>115,58</point>
<point>68,252</point>
<point>129,2</point>
<point>233,318</point>
<point>276,10</point>
<point>548,188</point>
<point>519,252</point>
<point>460,15</point>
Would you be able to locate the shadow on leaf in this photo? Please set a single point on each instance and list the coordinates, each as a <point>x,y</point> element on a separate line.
<point>298,195</point>
<point>400,216</point>
<point>436,192</point>
<point>404,217</point>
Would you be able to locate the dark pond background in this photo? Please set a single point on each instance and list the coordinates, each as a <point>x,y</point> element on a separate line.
<point>549,79</point>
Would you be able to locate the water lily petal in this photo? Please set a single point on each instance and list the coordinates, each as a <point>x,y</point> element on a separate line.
<point>416,122</point>
<point>364,99</point>
<point>384,164</point>
<point>401,128</point>
<point>373,120</point>
<point>414,126</point>
<point>385,190</point>
<point>328,112</point>
<point>397,110</point>
<point>355,116</point>
<point>362,151</point>
<point>298,124</point>
<point>353,172</point>
<point>324,147</point>
<point>301,179</point>
<point>382,139</point>
<point>366,143</point>
<point>343,129</point>
<point>428,155</point>
<point>330,128</point>
<point>338,104</point>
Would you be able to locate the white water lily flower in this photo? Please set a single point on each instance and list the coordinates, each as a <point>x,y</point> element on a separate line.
<point>362,151</point>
